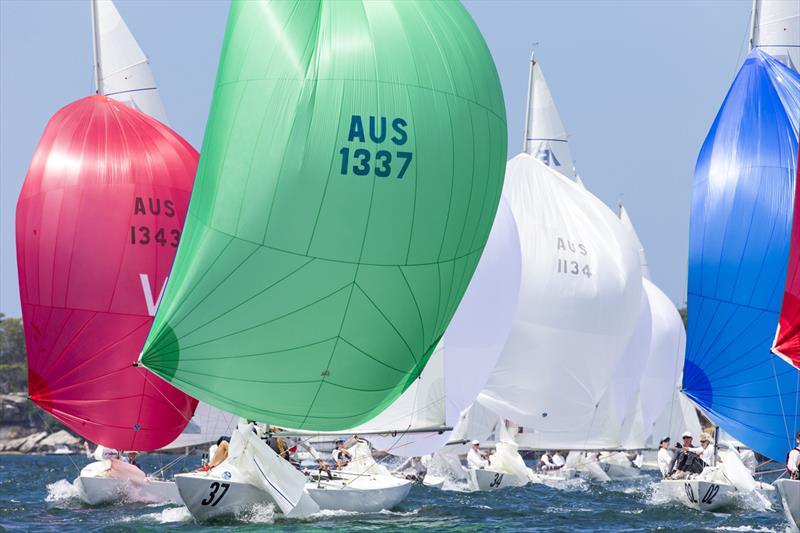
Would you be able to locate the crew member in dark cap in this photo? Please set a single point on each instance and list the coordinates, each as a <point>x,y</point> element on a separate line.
<point>665,457</point>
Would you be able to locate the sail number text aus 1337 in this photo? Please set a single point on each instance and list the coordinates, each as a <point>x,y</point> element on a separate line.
<point>382,162</point>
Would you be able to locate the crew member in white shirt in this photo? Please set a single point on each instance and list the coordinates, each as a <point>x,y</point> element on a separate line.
<point>665,457</point>
<point>475,459</point>
<point>558,460</point>
<point>705,451</point>
<point>546,461</point>
<point>793,459</point>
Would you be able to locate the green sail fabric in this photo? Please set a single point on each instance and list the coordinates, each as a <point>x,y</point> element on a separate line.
<point>350,173</point>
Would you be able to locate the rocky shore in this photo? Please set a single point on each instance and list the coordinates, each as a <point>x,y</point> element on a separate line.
<point>22,431</point>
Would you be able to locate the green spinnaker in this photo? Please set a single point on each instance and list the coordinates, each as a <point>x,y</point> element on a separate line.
<point>350,173</point>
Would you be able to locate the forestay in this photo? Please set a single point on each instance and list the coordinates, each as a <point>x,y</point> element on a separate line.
<point>351,170</point>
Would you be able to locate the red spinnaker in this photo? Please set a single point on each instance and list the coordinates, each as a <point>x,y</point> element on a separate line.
<point>98,223</point>
<point>787,340</point>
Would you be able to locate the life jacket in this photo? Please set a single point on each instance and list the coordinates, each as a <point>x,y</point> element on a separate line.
<point>796,474</point>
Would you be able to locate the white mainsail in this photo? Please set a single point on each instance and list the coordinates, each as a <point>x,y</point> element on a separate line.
<point>122,71</point>
<point>545,136</point>
<point>465,357</point>
<point>207,425</point>
<point>666,410</point>
<point>579,303</point>
<point>776,30</point>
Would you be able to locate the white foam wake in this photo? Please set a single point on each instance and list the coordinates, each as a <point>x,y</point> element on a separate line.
<point>61,491</point>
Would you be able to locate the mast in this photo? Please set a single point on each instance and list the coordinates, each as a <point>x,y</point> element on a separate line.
<point>95,45</point>
<point>716,446</point>
<point>526,140</point>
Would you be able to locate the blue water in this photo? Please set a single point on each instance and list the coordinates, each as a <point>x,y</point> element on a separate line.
<point>35,495</point>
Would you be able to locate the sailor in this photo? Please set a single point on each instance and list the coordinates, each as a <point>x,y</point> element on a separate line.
<point>476,459</point>
<point>130,458</point>
<point>546,461</point>
<point>665,457</point>
<point>558,460</point>
<point>218,453</point>
<point>793,459</point>
<point>340,455</point>
<point>688,460</point>
<point>412,469</point>
<point>705,451</point>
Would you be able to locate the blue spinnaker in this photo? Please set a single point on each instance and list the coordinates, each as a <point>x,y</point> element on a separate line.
<point>740,230</point>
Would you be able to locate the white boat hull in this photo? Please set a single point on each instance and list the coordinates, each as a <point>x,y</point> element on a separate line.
<point>208,495</point>
<point>434,482</point>
<point>487,479</point>
<point>789,490</point>
<point>223,492</point>
<point>360,494</point>
<point>616,471</point>
<point>95,487</point>
<point>700,495</point>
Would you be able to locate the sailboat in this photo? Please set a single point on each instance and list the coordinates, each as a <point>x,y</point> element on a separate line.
<point>572,244</point>
<point>98,221</point>
<point>739,249</point>
<point>319,270</point>
<point>578,263</point>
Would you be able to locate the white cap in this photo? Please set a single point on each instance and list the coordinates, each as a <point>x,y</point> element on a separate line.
<point>475,442</point>
<point>686,434</point>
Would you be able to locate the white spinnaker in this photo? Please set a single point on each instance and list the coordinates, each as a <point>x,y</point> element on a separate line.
<point>667,412</point>
<point>626,382</point>
<point>628,223</point>
<point>579,303</point>
<point>545,136</point>
<point>122,71</point>
<point>207,425</point>
<point>776,30</point>
<point>468,352</point>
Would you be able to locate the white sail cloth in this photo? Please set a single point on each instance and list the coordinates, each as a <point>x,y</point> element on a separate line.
<point>545,136</point>
<point>776,30</point>
<point>461,364</point>
<point>207,425</point>
<point>579,303</point>
<point>121,68</point>
<point>628,223</point>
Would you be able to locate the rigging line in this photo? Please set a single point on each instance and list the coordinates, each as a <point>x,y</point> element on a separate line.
<point>44,424</point>
<point>144,373</point>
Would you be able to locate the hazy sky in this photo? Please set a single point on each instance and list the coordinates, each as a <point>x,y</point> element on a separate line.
<point>637,85</point>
